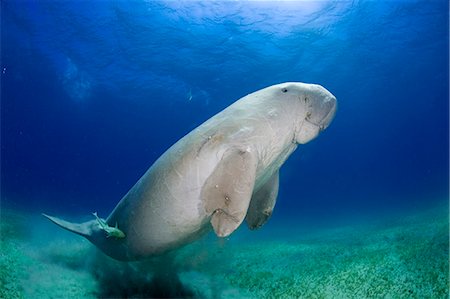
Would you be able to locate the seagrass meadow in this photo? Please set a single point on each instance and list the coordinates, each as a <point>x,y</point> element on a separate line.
<point>395,257</point>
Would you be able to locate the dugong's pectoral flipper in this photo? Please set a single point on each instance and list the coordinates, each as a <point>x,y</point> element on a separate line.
<point>228,190</point>
<point>263,202</point>
<point>85,229</point>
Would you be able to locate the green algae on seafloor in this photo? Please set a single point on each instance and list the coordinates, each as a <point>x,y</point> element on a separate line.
<point>30,271</point>
<point>408,260</point>
<point>12,259</point>
<point>12,269</point>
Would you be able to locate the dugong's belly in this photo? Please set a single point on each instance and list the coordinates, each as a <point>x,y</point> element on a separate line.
<point>164,209</point>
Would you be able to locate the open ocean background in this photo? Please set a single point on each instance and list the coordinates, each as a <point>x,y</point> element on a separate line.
<point>93,92</point>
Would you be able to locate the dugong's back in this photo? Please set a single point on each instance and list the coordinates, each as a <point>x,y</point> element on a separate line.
<point>221,172</point>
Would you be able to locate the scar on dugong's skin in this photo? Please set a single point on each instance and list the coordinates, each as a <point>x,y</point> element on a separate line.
<point>220,173</point>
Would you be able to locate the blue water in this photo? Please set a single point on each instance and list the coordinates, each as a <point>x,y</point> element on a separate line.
<point>94,92</point>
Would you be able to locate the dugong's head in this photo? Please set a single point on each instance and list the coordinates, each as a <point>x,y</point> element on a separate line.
<point>311,107</point>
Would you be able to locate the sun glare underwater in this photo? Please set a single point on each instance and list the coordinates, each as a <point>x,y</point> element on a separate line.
<point>94,92</point>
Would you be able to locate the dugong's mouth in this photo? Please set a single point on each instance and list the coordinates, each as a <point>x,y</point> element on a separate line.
<point>325,111</point>
<point>326,120</point>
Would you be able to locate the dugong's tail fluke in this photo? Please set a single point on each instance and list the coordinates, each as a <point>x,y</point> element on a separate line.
<point>99,235</point>
<point>83,229</point>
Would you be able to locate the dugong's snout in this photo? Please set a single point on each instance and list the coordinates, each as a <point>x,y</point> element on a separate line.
<point>320,109</point>
<point>328,110</point>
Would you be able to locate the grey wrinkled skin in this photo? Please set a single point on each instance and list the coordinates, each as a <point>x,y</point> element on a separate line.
<point>224,171</point>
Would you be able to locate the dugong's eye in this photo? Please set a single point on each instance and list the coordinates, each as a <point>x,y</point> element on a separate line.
<point>284,90</point>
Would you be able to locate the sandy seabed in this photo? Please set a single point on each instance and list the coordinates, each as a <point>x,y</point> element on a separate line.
<point>403,257</point>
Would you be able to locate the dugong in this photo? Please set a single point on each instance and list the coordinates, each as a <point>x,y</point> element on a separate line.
<point>223,171</point>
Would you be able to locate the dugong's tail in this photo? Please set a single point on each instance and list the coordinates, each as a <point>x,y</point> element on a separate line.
<point>105,238</point>
<point>83,229</point>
